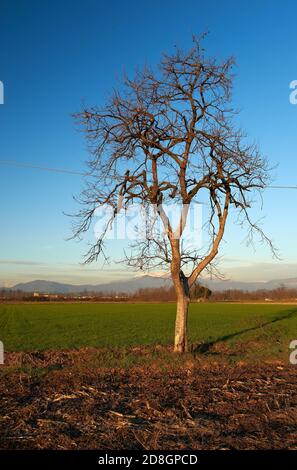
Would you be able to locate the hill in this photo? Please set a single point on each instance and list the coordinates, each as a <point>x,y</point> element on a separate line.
<point>146,281</point>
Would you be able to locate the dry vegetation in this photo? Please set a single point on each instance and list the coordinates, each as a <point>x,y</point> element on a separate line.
<point>63,400</point>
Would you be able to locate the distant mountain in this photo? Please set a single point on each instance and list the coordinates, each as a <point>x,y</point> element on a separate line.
<point>129,286</point>
<point>146,281</point>
<point>48,287</point>
<point>217,285</point>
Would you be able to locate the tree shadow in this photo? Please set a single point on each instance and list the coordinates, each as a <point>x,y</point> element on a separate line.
<point>204,348</point>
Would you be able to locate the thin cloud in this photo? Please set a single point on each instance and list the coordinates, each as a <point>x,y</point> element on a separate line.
<point>22,262</point>
<point>229,259</point>
<point>262,271</point>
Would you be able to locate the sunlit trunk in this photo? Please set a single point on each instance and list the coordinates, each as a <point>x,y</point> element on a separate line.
<point>181,325</point>
<point>182,306</point>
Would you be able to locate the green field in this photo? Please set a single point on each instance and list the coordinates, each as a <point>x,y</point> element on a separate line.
<point>239,330</point>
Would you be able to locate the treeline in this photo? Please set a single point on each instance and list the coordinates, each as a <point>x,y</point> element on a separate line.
<point>144,294</point>
<point>280,293</point>
<point>198,293</point>
<point>160,294</point>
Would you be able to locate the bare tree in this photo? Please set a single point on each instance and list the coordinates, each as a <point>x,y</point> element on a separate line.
<point>170,135</point>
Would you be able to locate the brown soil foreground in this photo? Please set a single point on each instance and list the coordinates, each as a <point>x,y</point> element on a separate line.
<point>54,401</point>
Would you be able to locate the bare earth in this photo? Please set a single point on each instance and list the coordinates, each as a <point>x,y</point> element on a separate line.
<point>59,400</point>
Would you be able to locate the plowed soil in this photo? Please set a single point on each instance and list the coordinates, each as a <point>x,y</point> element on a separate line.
<point>59,400</point>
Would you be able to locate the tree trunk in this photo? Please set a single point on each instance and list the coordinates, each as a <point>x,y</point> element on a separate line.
<point>181,322</point>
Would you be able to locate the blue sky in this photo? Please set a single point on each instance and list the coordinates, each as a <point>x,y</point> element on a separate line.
<point>57,54</point>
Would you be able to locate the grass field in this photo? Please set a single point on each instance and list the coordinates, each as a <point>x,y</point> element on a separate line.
<point>252,331</point>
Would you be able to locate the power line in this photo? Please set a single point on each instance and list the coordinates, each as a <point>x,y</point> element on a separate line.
<point>44,168</point>
<point>79,173</point>
<point>281,187</point>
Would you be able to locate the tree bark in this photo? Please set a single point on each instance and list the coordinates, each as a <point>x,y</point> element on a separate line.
<point>181,326</point>
<point>181,322</point>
